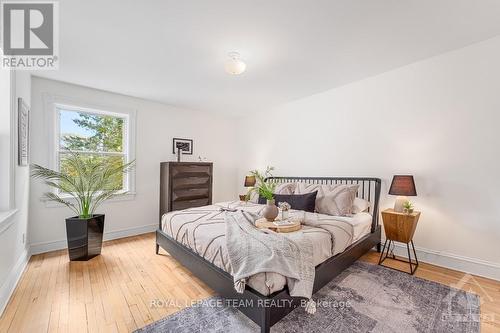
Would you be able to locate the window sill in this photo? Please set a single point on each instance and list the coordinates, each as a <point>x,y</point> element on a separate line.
<point>126,197</point>
<point>6,219</point>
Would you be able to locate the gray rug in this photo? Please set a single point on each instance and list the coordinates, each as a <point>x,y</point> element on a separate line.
<point>364,298</point>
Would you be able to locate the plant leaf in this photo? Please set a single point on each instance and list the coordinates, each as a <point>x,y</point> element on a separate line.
<point>89,180</point>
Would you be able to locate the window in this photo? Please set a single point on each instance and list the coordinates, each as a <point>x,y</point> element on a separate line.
<point>94,134</point>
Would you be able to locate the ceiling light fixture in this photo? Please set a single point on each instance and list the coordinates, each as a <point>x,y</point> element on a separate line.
<point>234,65</point>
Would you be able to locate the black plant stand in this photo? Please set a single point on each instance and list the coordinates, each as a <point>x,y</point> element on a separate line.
<point>388,252</point>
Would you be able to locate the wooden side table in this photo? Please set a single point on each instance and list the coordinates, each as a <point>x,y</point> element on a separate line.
<point>399,227</point>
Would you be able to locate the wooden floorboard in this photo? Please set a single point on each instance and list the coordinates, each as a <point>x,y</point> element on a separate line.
<point>129,286</point>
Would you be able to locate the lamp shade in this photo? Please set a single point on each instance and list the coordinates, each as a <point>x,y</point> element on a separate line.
<point>403,185</point>
<point>249,181</point>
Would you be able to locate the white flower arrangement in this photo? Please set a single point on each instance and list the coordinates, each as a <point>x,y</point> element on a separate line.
<point>284,206</point>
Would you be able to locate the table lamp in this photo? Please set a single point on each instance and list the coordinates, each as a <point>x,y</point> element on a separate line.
<point>249,182</point>
<point>402,186</point>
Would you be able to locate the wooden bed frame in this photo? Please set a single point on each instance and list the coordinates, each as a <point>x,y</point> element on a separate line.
<point>266,311</point>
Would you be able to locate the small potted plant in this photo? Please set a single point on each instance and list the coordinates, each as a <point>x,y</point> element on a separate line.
<point>83,185</point>
<point>408,207</point>
<point>285,210</point>
<point>265,190</point>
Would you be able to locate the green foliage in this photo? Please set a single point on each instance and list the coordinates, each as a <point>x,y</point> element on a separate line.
<point>263,188</point>
<point>115,162</point>
<point>108,134</point>
<point>407,205</point>
<point>90,180</point>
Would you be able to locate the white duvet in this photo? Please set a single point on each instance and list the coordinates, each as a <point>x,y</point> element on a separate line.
<point>202,230</point>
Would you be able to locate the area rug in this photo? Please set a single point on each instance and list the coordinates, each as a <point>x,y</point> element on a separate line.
<point>363,298</point>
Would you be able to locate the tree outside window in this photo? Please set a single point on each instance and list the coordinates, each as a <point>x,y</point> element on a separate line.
<point>96,136</point>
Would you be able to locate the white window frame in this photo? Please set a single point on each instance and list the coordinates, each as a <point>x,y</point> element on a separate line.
<point>8,204</point>
<point>53,105</point>
<point>125,136</point>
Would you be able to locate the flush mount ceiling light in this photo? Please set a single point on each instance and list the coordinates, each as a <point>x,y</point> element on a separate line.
<point>234,65</point>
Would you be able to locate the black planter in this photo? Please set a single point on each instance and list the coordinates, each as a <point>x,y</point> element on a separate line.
<point>84,237</point>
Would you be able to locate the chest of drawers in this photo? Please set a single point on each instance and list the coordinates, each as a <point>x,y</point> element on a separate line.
<point>185,185</point>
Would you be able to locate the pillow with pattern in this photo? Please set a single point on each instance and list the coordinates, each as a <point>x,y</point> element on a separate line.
<point>284,188</point>
<point>334,199</point>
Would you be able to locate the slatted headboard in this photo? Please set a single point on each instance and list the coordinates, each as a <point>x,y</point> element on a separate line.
<point>369,189</point>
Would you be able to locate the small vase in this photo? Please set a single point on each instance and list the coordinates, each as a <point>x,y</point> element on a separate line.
<point>285,214</point>
<point>270,212</point>
<point>408,210</point>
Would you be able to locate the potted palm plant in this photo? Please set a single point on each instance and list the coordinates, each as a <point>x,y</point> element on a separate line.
<point>265,190</point>
<point>83,185</point>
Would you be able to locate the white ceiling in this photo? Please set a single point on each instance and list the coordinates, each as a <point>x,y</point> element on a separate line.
<point>174,51</point>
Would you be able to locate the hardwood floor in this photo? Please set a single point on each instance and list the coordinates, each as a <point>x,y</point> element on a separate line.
<point>128,286</point>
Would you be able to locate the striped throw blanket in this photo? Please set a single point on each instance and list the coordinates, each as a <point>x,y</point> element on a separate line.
<point>252,251</point>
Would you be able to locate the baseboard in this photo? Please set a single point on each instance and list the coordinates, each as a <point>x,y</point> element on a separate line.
<point>460,263</point>
<point>37,248</point>
<point>473,266</point>
<point>12,279</point>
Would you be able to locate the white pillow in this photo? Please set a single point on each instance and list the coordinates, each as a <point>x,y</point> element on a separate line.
<point>360,205</point>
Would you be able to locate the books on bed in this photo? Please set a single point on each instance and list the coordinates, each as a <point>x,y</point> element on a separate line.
<point>281,223</point>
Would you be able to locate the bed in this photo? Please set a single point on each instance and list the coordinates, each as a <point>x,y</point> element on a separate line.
<point>195,237</point>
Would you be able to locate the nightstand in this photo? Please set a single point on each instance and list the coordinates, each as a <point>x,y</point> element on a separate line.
<point>399,227</point>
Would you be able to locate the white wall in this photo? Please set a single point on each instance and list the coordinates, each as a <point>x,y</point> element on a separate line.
<point>6,88</point>
<point>13,231</point>
<point>436,119</point>
<point>157,124</point>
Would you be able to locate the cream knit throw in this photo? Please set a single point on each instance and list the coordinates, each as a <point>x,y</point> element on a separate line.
<point>252,250</point>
